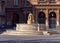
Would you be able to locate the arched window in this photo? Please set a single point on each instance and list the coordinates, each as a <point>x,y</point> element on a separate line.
<point>51,1</point>
<point>52,14</point>
<point>41,15</point>
<point>15,2</point>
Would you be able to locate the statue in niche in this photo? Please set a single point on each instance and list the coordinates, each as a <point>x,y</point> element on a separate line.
<point>30,19</point>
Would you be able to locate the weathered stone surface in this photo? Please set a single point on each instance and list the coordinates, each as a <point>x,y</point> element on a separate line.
<point>26,27</point>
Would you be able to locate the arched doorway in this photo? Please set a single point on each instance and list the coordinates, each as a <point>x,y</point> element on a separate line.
<point>41,18</point>
<point>15,19</point>
<point>52,20</point>
<point>42,21</point>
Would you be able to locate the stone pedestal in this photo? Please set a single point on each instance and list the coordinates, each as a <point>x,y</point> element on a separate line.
<point>26,27</point>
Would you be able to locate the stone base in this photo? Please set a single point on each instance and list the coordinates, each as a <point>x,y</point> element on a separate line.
<point>26,27</point>
<point>30,27</point>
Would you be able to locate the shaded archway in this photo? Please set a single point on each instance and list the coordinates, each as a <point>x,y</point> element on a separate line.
<point>15,19</point>
<point>26,17</point>
<point>41,18</point>
<point>42,21</point>
<point>52,20</point>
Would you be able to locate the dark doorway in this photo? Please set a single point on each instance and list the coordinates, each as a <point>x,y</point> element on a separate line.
<point>15,19</point>
<point>26,17</point>
<point>41,18</point>
<point>52,20</point>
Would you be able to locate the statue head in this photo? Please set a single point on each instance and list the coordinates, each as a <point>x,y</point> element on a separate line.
<point>30,14</point>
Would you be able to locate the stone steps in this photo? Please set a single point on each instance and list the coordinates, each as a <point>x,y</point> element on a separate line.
<point>22,33</point>
<point>10,32</point>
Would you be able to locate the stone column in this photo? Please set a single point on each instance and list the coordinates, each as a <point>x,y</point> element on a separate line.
<point>46,17</point>
<point>57,17</point>
<point>34,11</point>
<point>36,17</point>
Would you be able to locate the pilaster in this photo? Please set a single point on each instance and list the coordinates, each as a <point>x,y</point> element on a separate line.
<point>46,17</point>
<point>57,17</point>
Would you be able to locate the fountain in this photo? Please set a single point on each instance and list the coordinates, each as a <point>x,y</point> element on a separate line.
<point>27,29</point>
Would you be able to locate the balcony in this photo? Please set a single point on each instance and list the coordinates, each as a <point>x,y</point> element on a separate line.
<point>47,2</point>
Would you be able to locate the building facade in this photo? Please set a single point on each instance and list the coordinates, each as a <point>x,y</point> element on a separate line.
<point>2,13</point>
<point>44,11</point>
